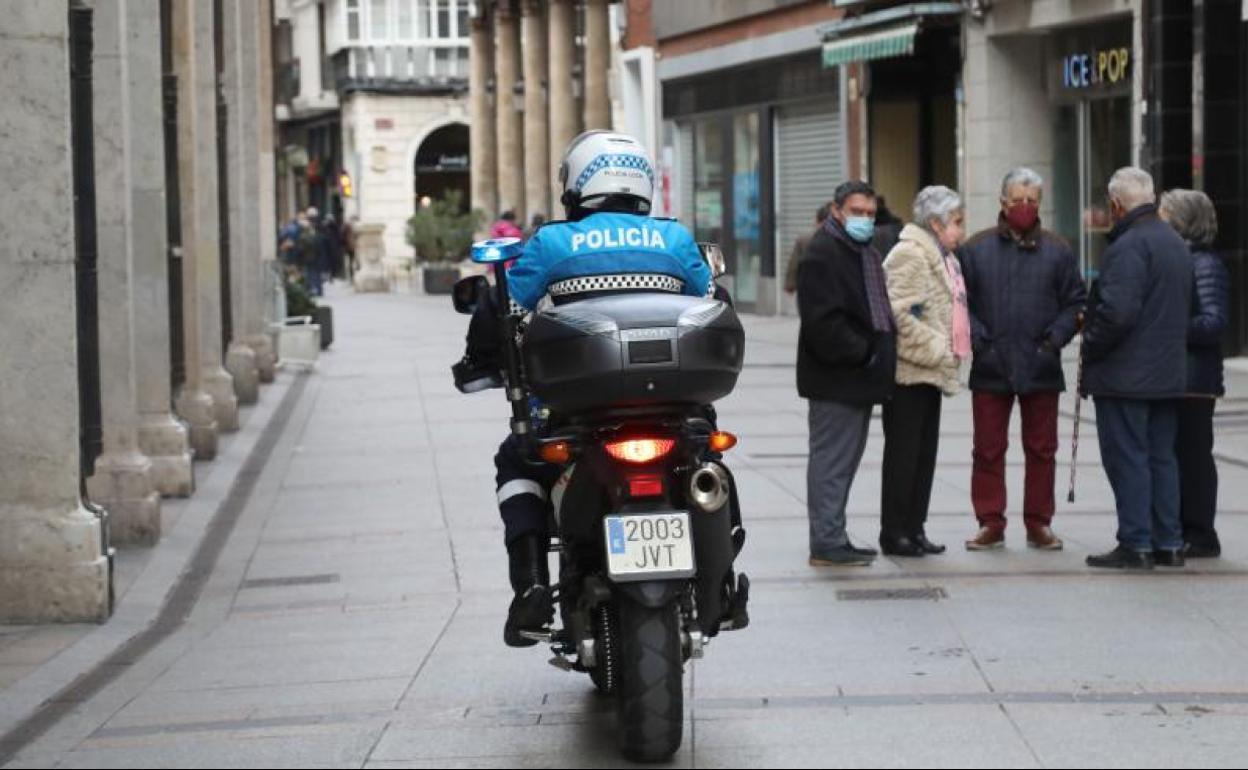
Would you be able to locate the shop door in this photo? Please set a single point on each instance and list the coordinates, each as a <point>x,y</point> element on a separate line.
<point>1092,140</point>
<point>809,166</point>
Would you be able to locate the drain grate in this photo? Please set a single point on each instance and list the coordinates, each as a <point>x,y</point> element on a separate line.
<point>297,580</point>
<point>931,594</point>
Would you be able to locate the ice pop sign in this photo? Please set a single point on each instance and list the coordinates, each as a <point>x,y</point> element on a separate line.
<point>1103,68</point>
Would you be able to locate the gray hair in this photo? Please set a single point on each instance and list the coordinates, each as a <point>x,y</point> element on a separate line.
<point>1132,187</point>
<point>1192,214</point>
<point>1021,175</point>
<point>936,202</point>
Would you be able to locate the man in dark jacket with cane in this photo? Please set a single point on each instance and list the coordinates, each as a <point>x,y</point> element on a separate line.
<point>1135,357</point>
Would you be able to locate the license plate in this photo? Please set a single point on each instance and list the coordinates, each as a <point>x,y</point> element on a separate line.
<point>649,546</point>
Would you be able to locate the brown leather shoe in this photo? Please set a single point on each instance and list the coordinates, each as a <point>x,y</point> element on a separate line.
<point>987,539</point>
<point>1043,539</point>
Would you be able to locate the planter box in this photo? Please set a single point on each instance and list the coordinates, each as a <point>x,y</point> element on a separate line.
<point>300,341</point>
<point>439,280</point>
<point>324,318</point>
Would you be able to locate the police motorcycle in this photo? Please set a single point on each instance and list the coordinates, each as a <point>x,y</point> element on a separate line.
<point>616,390</point>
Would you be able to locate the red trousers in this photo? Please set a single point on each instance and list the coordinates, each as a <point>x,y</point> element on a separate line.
<point>992,439</point>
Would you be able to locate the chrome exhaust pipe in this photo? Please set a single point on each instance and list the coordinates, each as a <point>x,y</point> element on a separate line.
<point>708,487</point>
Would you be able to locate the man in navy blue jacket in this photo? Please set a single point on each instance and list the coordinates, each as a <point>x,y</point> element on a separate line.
<point>1135,359</point>
<point>1025,294</point>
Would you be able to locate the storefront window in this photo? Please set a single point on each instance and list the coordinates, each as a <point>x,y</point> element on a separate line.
<point>745,206</point>
<point>708,182</point>
<point>1092,140</point>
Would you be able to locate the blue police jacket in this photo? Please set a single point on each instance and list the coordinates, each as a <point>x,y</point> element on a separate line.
<point>607,243</point>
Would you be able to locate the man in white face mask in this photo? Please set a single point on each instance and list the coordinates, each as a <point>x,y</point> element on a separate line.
<point>846,362</point>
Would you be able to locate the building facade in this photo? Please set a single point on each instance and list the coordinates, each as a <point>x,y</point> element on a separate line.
<point>374,112</point>
<point>540,75</point>
<point>1079,89</point>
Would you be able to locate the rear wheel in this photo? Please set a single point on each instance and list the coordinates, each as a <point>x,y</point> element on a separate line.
<point>649,695</point>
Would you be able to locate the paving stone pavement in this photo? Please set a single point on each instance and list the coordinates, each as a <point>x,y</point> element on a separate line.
<point>354,616</point>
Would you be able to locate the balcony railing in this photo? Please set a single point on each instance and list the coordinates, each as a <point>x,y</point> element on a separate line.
<point>403,68</point>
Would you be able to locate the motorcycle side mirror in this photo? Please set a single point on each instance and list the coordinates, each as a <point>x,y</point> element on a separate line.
<point>714,258</point>
<point>468,292</point>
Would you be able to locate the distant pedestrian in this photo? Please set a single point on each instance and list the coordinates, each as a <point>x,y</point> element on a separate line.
<point>348,244</point>
<point>799,250</point>
<point>506,227</point>
<point>1025,294</point>
<point>887,229</point>
<point>309,249</point>
<point>535,224</point>
<point>333,244</point>
<point>928,297</point>
<point>1135,367</point>
<point>1192,215</point>
<point>846,360</point>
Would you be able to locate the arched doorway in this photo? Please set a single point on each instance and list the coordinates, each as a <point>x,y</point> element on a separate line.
<point>442,166</point>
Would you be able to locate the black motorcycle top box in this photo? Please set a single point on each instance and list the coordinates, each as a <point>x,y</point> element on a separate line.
<point>633,350</point>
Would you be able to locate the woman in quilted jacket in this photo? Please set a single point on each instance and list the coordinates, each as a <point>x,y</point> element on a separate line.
<point>928,298</point>
<point>1191,213</point>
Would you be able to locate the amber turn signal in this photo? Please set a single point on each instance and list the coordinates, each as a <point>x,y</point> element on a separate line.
<point>556,453</point>
<point>722,441</point>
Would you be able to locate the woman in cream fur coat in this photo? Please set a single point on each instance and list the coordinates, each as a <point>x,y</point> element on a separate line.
<point>928,298</point>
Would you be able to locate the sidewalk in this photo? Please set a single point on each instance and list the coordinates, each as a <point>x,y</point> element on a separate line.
<point>354,615</point>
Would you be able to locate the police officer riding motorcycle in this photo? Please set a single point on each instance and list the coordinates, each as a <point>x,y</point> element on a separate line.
<point>614,449</point>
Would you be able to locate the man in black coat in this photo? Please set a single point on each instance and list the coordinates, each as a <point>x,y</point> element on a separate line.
<point>846,361</point>
<point>1135,357</point>
<point>1025,295</point>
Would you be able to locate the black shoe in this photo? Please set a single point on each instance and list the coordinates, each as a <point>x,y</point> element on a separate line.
<point>927,545</point>
<point>900,546</point>
<point>1195,551</point>
<point>1122,558</point>
<point>844,556</point>
<point>472,376</point>
<point>532,608</point>
<point>1169,557</point>
<point>860,550</point>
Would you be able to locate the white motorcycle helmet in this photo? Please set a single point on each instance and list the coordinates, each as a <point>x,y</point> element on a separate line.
<point>605,170</point>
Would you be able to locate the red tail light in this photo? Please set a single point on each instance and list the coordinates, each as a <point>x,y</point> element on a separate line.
<point>641,450</point>
<point>645,486</point>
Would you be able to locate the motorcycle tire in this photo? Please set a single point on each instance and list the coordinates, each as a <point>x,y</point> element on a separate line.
<point>649,695</point>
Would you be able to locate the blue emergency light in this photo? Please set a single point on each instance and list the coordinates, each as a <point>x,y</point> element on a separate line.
<point>496,250</point>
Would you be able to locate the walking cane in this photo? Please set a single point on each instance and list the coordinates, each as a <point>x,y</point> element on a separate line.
<point>1074,444</point>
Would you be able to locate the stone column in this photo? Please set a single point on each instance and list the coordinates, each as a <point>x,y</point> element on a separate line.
<point>207,383</point>
<point>192,56</point>
<point>122,481</point>
<point>536,119</point>
<point>597,65</point>
<point>509,122</point>
<point>162,438</point>
<point>266,208</point>
<point>239,49</point>
<point>564,121</point>
<point>484,146</point>
<point>52,563</point>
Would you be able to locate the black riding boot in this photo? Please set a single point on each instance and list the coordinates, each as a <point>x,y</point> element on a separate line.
<point>532,608</point>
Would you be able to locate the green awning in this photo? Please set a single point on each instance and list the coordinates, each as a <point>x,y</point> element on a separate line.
<point>882,44</point>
